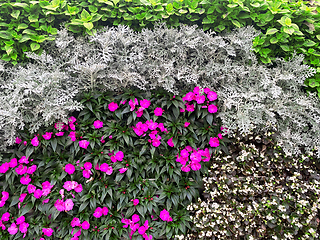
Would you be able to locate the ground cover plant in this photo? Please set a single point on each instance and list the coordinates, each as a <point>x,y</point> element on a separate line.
<point>257,192</point>
<point>126,166</point>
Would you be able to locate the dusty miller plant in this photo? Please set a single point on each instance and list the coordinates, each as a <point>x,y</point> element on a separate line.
<point>33,95</point>
<point>252,97</point>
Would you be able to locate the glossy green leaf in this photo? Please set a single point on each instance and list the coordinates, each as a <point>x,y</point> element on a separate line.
<point>34,46</point>
<point>271,31</point>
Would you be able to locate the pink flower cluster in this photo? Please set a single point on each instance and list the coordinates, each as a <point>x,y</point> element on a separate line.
<point>195,157</point>
<point>23,226</point>
<point>100,211</point>
<point>144,104</point>
<point>47,231</point>
<point>64,206</point>
<point>73,185</point>
<point>165,216</point>
<point>76,223</point>
<point>134,226</point>
<point>84,144</point>
<point>104,167</point>
<point>199,96</point>
<point>116,157</point>
<point>141,128</point>
<point>4,198</point>
<point>87,170</point>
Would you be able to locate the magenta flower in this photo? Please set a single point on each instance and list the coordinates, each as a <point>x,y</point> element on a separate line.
<point>105,211</point>
<point>5,196</point>
<point>70,168</point>
<point>18,140</point>
<point>86,173</point>
<point>186,124</point>
<point>206,90</point>
<point>135,218</point>
<point>84,144</point>
<point>145,103</point>
<point>164,215</point>
<point>141,230</point>
<point>196,90</point>
<point>68,204</point>
<point>13,163</point>
<point>190,108</point>
<point>133,104</point>
<point>72,135</point>
<point>195,156</point>
<point>72,126</point>
<point>212,96</point>
<point>156,142</point>
<point>185,168</point>
<point>31,188</point>
<point>109,170</point>
<point>59,204</point>
<point>113,106</point>
<point>22,197</point>
<point>87,165</point>
<point>4,167</point>
<point>122,170</point>
<point>37,193</point>
<point>32,169</point>
<point>47,136</point>
<point>5,217</point>
<point>135,201</point>
<point>220,135</point>
<point>85,225</point>
<point>214,142</point>
<point>113,159</point>
<point>24,227</point>
<point>35,141</point>
<point>170,142</point>
<point>158,111</point>
<point>75,222</point>
<point>200,99</point>
<point>139,112</point>
<point>78,189</point>
<point>25,180</point>
<point>59,134</point>
<point>98,212</point>
<point>119,156</point>
<point>123,102</point>
<point>212,108</point>
<point>20,170</point>
<point>104,167</point>
<point>13,229</point>
<point>47,231</point>
<point>21,219</point>
<point>184,153</point>
<point>189,96</point>
<point>45,201</point>
<point>24,159</point>
<point>195,165</point>
<point>72,119</point>
<point>98,124</point>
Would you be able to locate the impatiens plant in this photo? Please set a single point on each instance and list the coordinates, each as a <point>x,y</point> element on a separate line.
<point>135,159</point>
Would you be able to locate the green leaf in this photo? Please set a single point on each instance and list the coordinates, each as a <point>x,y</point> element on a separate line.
<point>119,177</point>
<point>34,46</point>
<point>88,25</point>
<point>309,43</point>
<point>5,35</point>
<point>26,209</point>
<point>29,151</point>
<point>169,7</point>
<point>287,21</point>
<point>23,5</point>
<point>271,31</point>
<point>14,201</point>
<point>15,14</point>
<point>236,23</point>
<point>85,15</point>
<point>318,36</point>
<point>288,30</point>
<point>83,206</point>
<point>285,48</point>
<point>22,26</point>
<point>273,40</point>
<point>209,118</point>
